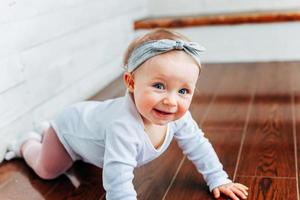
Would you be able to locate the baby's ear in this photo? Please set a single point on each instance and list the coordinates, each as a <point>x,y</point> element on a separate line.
<point>129,81</point>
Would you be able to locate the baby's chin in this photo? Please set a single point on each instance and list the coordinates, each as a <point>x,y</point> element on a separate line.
<point>163,122</point>
<point>159,122</point>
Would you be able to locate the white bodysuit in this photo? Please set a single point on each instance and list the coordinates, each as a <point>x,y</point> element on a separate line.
<point>110,135</point>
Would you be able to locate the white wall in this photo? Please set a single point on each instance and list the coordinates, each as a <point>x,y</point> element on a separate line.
<point>158,8</point>
<point>54,52</point>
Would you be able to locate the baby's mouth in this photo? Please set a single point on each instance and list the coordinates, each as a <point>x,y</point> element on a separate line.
<point>163,112</point>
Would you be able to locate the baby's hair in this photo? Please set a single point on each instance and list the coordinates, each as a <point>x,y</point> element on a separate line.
<point>157,34</point>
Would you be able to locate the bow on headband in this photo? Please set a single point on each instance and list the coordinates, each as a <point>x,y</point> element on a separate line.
<point>155,47</point>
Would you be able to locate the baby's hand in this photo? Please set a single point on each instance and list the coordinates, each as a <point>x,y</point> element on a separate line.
<point>233,190</point>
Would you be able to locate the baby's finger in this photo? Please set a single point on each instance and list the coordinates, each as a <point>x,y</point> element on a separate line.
<point>239,192</point>
<point>243,189</point>
<point>216,192</point>
<point>229,193</point>
<point>241,185</point>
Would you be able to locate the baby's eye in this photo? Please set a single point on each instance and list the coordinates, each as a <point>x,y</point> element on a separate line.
<point>183,91</point>
<point>159,86</point>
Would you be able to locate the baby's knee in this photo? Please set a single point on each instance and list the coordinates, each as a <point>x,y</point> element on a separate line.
<point>47,173</point>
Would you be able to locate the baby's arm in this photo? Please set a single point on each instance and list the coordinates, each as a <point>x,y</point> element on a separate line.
<point>119,163</point>
<point>200,151</point>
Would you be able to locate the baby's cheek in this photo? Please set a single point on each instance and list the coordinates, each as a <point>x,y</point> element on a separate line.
<point>180,112</point>
<point>147,102</point>
<point>183,108</point>
<point>150,100</point>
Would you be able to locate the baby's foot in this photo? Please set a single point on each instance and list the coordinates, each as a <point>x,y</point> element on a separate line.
<point>14,146</point>
<point>3,149</point>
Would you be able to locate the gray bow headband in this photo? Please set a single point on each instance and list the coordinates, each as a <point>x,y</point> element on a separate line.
<point>155,47</point>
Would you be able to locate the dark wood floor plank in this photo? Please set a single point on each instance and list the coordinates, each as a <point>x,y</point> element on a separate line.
<point>295,82</point>
<point>62,190</point>
<point>190,183</point>
<point>226,145</point>
<point>23,183</point>
<point>274,84</point>
<point>7,170</point>
<point>273,134</point>
<point>270,129</point>
<point>19,187</point>
<point>264,188</point>
<point>90,186</point>
<point>210,79</point>
<point>230,106</point>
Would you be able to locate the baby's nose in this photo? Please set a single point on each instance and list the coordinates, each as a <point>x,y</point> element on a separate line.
<point>170,100</point>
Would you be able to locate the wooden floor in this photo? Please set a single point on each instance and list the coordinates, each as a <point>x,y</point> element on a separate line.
<point>251,114</point>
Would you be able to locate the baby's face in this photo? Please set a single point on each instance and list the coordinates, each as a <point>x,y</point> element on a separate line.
<point>164,86</point>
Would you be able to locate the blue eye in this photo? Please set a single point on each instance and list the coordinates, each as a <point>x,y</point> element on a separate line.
<point>183,91</point>
<point>159,86</point>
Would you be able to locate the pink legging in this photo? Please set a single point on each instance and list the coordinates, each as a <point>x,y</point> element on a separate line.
<point>48,159</point>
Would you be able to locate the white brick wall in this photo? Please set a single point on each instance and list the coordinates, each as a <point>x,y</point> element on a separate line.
<point>53,53</point>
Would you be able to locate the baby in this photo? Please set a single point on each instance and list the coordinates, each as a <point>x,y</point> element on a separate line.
<point>162,69</point>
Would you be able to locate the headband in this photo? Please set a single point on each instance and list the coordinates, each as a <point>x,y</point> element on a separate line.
<point>155,47</point>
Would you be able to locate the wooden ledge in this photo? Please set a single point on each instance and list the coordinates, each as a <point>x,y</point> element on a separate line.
<point>223,19</point>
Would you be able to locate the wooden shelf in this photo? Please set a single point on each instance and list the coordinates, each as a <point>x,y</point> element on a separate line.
<point>220,19</point>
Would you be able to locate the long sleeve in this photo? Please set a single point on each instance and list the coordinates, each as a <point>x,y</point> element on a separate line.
<point>200,151</point>
<point>119,163</point>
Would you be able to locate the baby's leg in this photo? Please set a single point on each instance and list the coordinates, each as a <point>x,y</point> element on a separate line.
<point>48,159</point>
